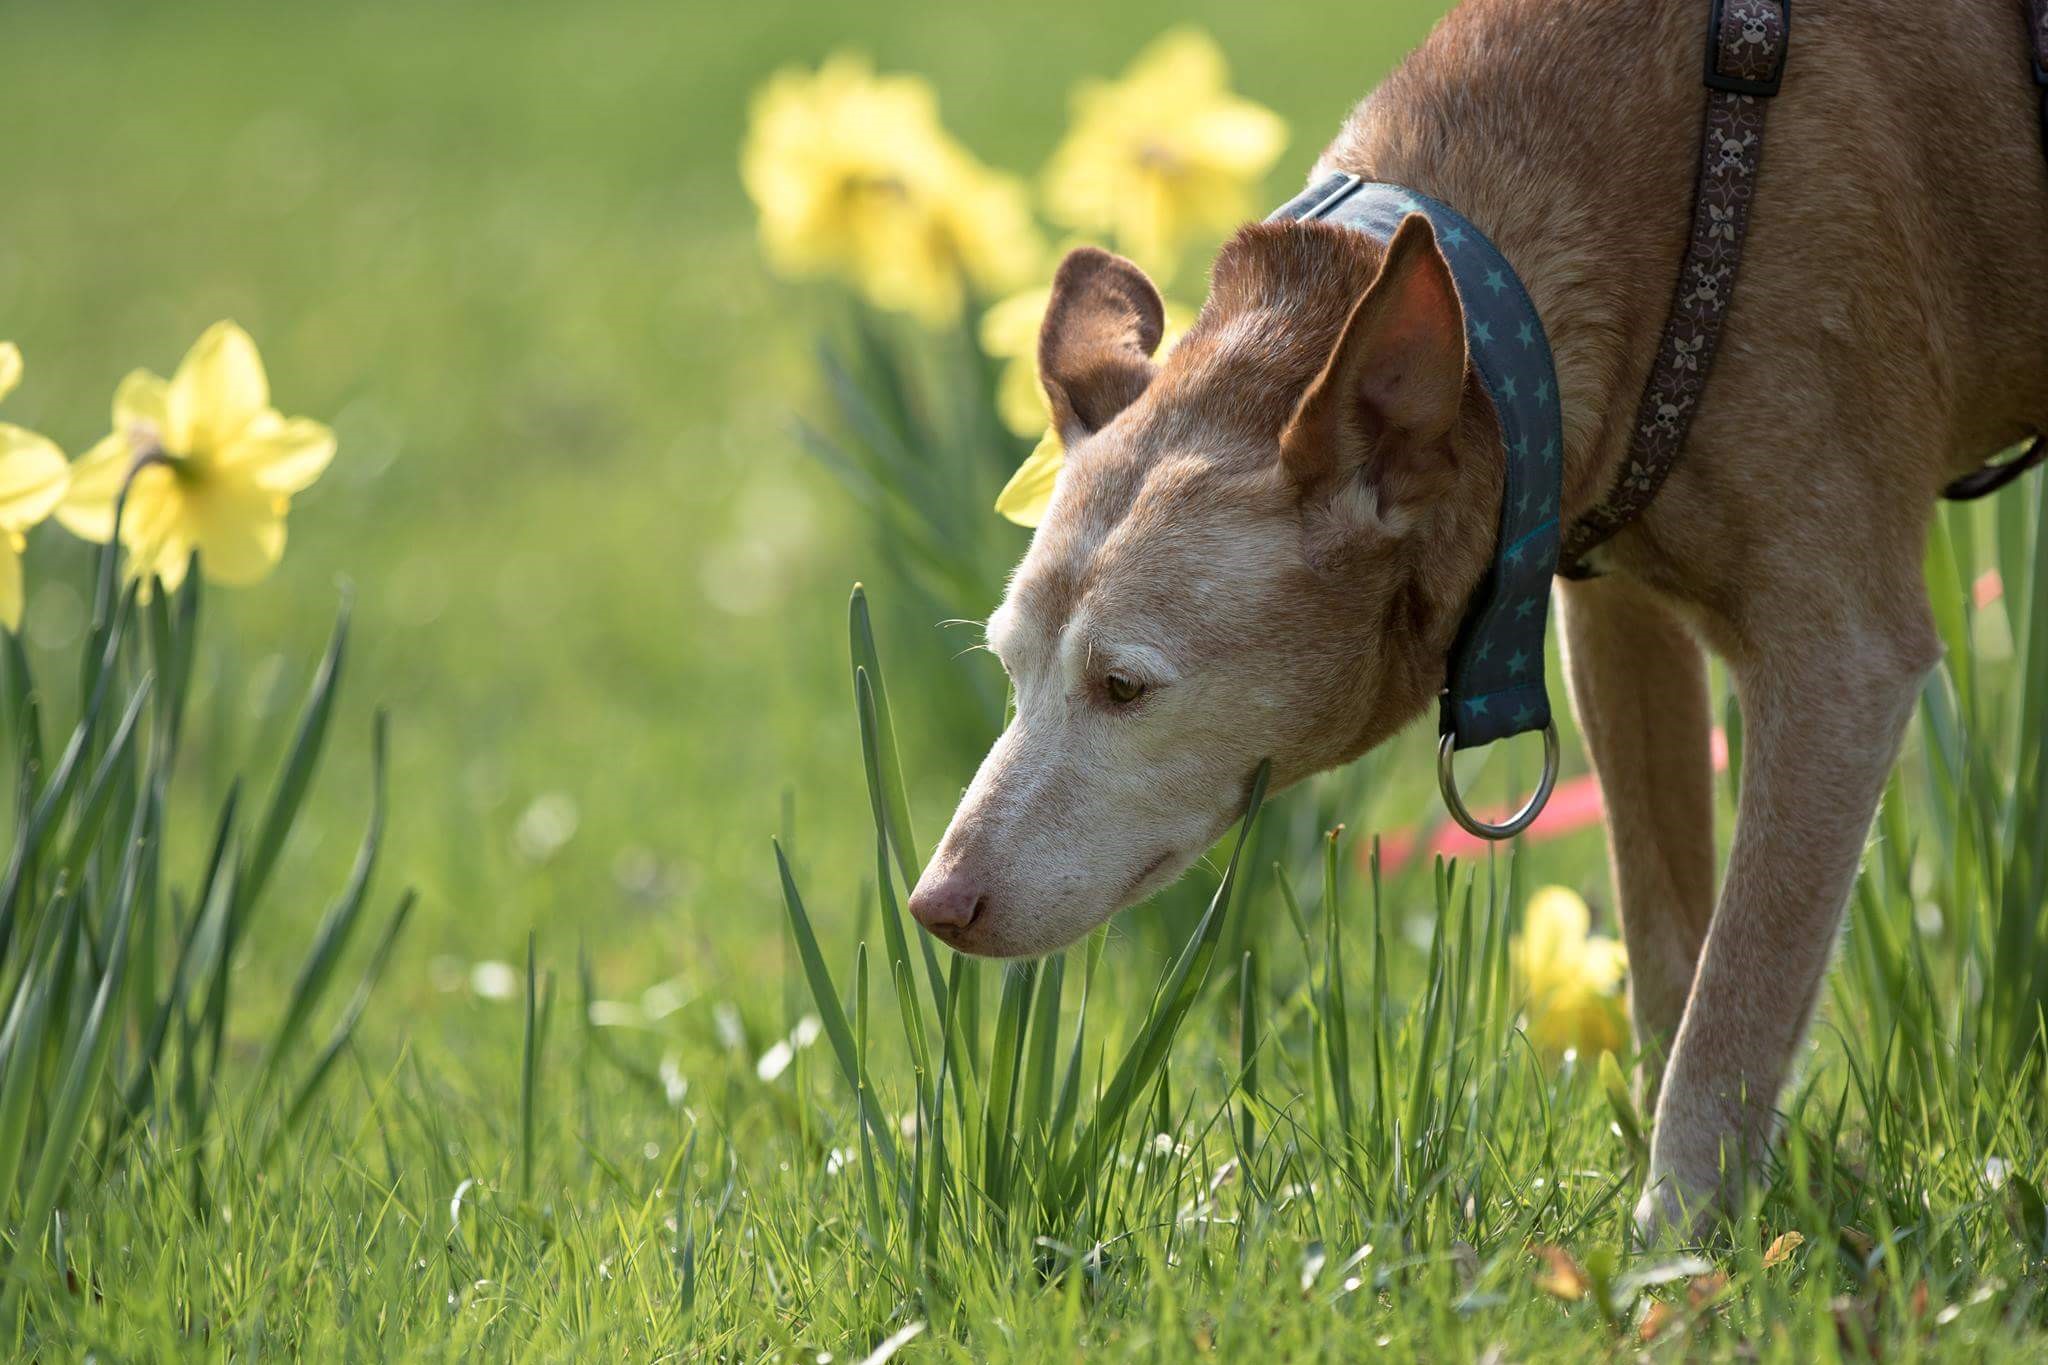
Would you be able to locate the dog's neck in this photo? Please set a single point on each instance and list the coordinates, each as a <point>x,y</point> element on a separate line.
<point>1280,297</point>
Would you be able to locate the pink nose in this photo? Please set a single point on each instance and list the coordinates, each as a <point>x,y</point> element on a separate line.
<point>950,900</point>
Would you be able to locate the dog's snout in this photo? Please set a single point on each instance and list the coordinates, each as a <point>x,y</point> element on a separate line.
<point>947,898</point>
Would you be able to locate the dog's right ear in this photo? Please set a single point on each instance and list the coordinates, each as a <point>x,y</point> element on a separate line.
<point>1380,415</point>
<point>1095,345</point>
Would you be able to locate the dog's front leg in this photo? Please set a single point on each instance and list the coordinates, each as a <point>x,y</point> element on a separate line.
<point>1639,689</point>
<point>1824,704</point>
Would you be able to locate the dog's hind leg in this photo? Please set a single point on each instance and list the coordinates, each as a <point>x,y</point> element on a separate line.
<point>1827,679</point>
<point>1639,689</point>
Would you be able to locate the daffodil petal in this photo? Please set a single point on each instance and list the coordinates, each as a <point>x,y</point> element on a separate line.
<point>1572,976</point>
<point>280,454</point>
<point>167,566</point>
<point>1184,63</point>
<point>1020,398</point>
<point>852,173</point>
<point>87,510</point>
<point>1010,326</point>
<point>238,528</point>
<point>1163,153</point>
<point>1554,928</point>
<point>143,400</point>
<point>218,390</point>
<point>10,580</point>
<point>10,367</point>
<point>1240,138</point>
<point>33,475</point>
<point>1029,492</point>
<point>1602,963</point>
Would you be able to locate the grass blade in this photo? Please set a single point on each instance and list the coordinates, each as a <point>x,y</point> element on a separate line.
<point>1141,1064</point>
<point>297,774</point>
<point>1248,1049</point>
<point>830,1011</point>
<point>344,1029</point>
<point>999,1118</point>
<point>82,1073</point>
<point>336,926</point>
<point>889,766</point>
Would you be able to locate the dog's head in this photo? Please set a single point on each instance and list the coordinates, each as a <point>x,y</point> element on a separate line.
<point>1258,549</point>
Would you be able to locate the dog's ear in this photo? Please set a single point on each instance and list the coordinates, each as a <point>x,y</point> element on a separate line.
<point>1095,345</point>
<point>1383,409</point>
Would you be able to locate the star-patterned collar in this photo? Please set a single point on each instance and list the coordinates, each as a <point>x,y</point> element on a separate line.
<point>1493,681</point>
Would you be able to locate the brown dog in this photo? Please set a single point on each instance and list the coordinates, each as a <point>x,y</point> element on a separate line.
<point>1263,547</point>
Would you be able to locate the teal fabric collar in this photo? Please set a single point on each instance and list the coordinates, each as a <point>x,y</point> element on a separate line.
<point>1493,686</point>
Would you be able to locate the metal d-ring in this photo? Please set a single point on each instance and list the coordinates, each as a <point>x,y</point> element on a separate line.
<point>1447,781</point>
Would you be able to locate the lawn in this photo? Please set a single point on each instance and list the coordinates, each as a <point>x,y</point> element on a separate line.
<point>600,587</point>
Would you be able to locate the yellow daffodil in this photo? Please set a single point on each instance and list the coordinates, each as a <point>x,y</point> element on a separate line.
<point>853,175</point>
<point>1163,154</point>
<point>210,466</point>
<point>1573,976</point>
<point>1009,332</point>
<point>32,479</point>
<point>1029,492</point>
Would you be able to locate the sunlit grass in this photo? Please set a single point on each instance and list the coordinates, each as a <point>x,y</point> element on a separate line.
<point>116,988</point>
<point>1332,1138</point>
<point>507,250</point>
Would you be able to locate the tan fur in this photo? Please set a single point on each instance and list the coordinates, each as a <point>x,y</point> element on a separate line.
<point>1889,331</point>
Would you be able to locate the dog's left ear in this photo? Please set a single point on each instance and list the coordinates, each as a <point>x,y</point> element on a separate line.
<point>1095,345</point>
<point>1383,409</point>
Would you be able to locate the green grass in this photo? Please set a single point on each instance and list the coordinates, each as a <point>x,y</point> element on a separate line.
<point>599,587</point>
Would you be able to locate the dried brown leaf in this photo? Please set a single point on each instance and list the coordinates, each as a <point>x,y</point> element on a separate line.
<point>1782,1247</point>
<point>1560,1276</point>
<point>1706,1289</point>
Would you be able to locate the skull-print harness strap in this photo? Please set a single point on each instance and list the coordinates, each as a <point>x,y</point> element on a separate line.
<point>1747,42</point>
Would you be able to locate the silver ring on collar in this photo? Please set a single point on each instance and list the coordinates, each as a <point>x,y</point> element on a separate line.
<point>1447,782</point>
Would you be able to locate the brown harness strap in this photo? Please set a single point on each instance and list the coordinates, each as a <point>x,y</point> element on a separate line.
<point>1746,46</point>
<point>2037,26</point>
<point>1747,42</point>
<point>1993,477</point>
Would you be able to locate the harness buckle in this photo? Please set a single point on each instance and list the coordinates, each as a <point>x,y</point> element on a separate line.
<point>1763,87</point>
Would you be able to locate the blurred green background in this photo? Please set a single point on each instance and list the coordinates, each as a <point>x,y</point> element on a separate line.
<point>601,587</point>
<point>504,248</point>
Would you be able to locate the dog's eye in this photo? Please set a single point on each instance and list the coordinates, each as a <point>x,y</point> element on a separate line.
<point>1122,691</point>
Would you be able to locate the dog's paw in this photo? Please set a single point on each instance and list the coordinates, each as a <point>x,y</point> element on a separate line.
<point>1674,1209</point>
<point>1701,1151</point>
<point>1660,1216</point>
